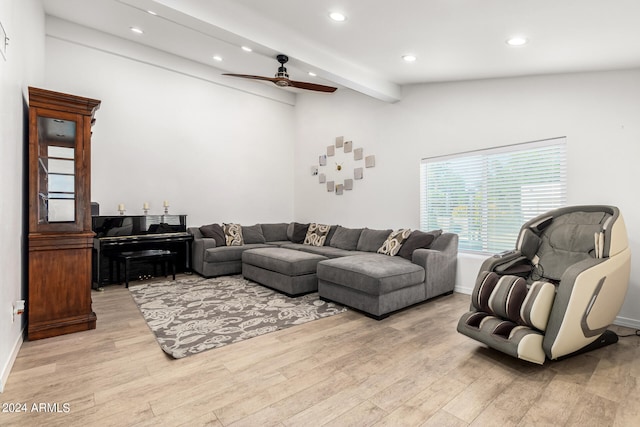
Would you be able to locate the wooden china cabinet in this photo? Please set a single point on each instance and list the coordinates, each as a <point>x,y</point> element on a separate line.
<point>60,236</point>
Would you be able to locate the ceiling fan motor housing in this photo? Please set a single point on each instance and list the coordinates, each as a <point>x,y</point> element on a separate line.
<point>282,73</point>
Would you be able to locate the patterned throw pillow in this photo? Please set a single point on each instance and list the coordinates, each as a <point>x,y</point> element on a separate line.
<point>316,234</point>
<point>394,242</point>
<point>233,234</point>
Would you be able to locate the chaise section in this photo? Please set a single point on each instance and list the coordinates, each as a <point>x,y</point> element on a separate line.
<point>380,284</point>
<point>375,284</point>
<point>288,271</point>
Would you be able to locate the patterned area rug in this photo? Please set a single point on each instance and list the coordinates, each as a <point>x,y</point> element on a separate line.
<point>194,314</point>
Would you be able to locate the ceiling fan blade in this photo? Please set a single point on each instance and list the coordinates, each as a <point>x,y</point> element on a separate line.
<point>248,76</point>
<point>312,86</point>
<point>282,78</point>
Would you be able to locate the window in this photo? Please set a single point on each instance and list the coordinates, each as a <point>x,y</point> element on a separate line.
<point>485,196</point>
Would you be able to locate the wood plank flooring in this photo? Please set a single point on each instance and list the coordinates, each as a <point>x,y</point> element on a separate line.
<point>411,369</point>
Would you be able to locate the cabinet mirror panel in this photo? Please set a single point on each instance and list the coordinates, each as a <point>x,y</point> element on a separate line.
<point>56,170</point>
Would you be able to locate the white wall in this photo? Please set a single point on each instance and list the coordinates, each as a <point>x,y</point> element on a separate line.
<point>597,112</point>
<point>24,23</point>
<point>216,153</point>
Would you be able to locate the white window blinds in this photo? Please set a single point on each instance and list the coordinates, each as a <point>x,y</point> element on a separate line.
<point>485,196</point>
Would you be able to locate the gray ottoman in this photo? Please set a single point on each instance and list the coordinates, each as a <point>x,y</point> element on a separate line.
<point>375,284</point>
<point>288,271</point>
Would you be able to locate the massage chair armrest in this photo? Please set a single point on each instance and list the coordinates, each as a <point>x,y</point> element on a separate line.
<point>568,279</point>
<point>588,298</point>
<point>500,263</point>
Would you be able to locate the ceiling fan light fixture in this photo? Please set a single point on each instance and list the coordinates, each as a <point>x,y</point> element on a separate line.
<point>247,49</point>
<point>517,41</point>
<point>337,16</point>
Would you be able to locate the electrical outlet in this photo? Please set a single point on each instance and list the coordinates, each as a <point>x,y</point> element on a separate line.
<point>18,309</point>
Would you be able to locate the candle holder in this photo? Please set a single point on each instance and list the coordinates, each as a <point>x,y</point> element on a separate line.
<point>121,210</point>
<point>166,210</point>
<point>145,208</point>
<point>146,211</point>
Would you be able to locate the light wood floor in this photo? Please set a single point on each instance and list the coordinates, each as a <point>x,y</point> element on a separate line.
<point>412,368</point>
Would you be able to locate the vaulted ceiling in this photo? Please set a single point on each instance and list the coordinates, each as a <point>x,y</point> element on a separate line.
<point>451,39</point>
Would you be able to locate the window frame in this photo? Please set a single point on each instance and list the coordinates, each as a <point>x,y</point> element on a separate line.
<point>479,233</point>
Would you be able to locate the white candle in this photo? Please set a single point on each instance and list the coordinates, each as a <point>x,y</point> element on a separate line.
<point>166,204</point>
<point>145,205</point>
<point>121,207</point>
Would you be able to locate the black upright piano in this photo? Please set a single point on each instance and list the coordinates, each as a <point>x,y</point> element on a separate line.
<point>115,234</point>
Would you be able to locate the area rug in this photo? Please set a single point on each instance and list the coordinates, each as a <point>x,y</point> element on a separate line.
<point>194,314</point>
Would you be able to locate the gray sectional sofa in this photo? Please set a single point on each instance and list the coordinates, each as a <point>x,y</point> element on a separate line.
<point>343,266</point>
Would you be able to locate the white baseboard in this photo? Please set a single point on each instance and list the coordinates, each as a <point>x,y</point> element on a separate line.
<point>626,322</point>
<point>463,290</point>
<point>6,369</point>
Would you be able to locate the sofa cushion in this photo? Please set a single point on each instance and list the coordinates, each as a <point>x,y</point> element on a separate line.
<point>373,274</point>
<point>332,231</point>
<point>280,243</point>
<point>418,240</point>
<point>233,234</point>
<point>394,242</point>
<point>275,232</point>
<point>284,261</point>
<point>229,253</point>
<point>214,231</point>
<point>316,234</point>
<point>346,238</point>
<point>252,234</point>
<point>328,251</point>
<point>371,240</point>
<point>299,232</point>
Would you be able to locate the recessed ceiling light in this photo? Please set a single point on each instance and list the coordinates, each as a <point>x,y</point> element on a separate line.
<point>151,12</point>
<point>517,41</point>
<point>247,49</point>
<point>409,58</point>
<point>337,16</point>
<point>136,30</point>
<point>312,74</point>
<point>217,57</point>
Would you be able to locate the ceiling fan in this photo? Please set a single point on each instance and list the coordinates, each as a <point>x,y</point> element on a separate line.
<point>282,78</point>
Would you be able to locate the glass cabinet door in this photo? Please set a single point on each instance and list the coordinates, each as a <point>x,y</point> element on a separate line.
<point>56,171</point>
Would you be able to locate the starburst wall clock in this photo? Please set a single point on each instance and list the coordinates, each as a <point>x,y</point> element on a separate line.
<point>340,165</point>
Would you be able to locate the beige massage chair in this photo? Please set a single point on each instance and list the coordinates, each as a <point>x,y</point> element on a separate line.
<point>556,294</point>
